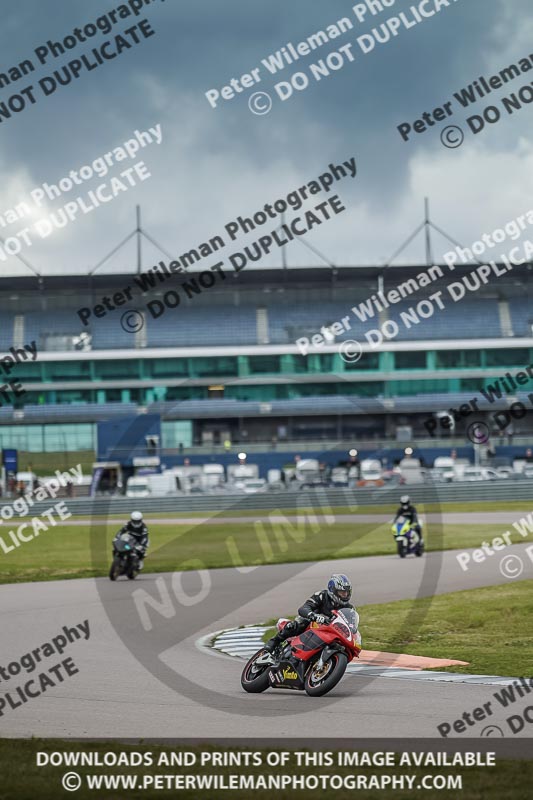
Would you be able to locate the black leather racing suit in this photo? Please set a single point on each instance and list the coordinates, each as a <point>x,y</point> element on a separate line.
<point>318,603</point>
<point>139,534</point>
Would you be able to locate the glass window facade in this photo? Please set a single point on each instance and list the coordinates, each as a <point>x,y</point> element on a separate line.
<point>414,360</point>
<point>95,381</point>
<point>48,438</point>
<point>456,359</point>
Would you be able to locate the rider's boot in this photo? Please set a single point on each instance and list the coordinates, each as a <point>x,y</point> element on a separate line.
<point>273,643</point>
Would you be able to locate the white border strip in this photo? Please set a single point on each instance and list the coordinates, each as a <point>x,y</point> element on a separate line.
<point>244,642</point>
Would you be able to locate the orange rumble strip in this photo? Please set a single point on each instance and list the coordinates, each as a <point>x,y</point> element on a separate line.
<point>377,659</point>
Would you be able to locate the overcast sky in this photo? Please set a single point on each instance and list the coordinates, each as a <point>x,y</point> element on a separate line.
<point>213,165</point>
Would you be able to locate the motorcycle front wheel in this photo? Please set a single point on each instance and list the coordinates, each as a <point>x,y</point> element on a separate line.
<point>115,570</point>
<point>320,682</point>
<point>133,570</point>
<point>254,678</point>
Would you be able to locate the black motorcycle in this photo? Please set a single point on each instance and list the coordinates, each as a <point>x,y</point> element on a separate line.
<point>126,557</point>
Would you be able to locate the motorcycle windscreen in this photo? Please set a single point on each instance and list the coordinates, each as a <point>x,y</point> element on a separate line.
<point>346,622</point>
<point>403,525</point>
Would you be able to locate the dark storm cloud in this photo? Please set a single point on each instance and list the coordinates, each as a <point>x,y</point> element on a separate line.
<point>203,44</point>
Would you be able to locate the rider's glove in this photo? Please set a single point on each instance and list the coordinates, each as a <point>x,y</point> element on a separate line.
<point>321,619</point>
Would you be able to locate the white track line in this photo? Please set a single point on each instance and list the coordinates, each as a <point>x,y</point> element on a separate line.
<point>244,642</point>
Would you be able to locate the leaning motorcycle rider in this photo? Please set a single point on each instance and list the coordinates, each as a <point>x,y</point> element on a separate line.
<point>408,511</point>
<point>318,608</point>
<point>136,527</point>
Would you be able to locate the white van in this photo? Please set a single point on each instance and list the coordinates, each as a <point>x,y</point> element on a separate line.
<point>212,476</point>
<point>252,486</point>
<point>151,485</point>
<point>161,484</point>
<point>242,472</point>
<point>308,470</point>
<point>138,487</point>
<point>371,469</point>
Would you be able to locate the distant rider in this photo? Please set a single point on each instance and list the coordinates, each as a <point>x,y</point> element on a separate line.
<point>409,512</point>
<point>318,608</point>
<point>137,528</point>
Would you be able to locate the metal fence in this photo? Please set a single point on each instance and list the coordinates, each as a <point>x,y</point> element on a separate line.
<point>504,490</point>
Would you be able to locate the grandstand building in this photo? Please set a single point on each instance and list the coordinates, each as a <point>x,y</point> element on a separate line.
<point>224,364</point>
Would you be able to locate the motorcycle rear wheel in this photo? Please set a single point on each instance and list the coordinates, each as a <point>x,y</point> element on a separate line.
<point>255,683</point>
<point>318,686</point>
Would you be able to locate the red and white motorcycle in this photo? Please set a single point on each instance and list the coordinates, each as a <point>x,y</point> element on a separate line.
<point>314,661</point>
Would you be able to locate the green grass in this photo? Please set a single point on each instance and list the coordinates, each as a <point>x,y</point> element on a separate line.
<point>65,552</point>
<point>23,780</point>
<point>488,628</point>
<point>429,508</point>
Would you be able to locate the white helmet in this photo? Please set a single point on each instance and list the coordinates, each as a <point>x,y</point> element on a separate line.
<point>136,519</point>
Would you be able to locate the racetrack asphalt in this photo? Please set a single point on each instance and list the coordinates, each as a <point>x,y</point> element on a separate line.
<point>117,693</point>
